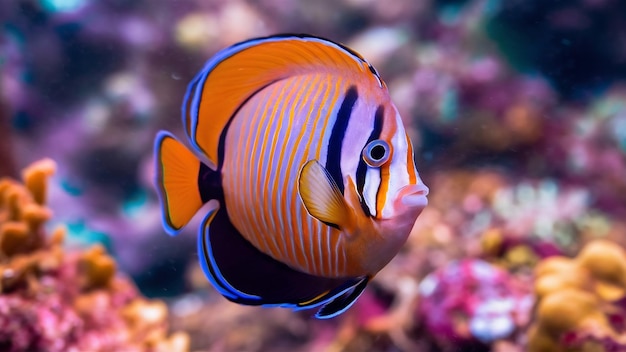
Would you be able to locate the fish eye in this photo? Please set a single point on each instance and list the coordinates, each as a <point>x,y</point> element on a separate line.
<point>376,153</point>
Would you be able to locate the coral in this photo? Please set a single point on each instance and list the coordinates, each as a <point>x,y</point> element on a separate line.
<point>472,301</point>
<point>591,149</point>
<point>581,301</point>
<point>509,222</point>
<point>55,300</point>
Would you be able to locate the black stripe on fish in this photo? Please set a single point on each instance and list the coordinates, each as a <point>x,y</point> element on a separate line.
<point>333,157</point>
<point>209,184</point>
<point>361,169</point>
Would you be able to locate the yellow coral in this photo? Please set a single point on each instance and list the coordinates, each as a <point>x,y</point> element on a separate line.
<point>491,241</point>
<point>96,267</point>
<point>35,178</point>
<point>575,294</point>
<point>605,260</point>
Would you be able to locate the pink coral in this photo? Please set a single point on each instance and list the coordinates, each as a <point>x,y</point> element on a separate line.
<point>471,300</point>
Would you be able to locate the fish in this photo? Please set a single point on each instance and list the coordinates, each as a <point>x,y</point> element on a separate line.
<point>303,167</point>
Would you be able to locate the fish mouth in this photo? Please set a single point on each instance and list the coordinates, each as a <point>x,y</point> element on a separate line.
<point>414,196</point>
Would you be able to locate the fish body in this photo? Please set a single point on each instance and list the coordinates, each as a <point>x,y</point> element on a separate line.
<point>308,166</point>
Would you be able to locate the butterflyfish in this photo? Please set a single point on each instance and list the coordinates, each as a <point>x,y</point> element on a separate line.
<point>309,172</point>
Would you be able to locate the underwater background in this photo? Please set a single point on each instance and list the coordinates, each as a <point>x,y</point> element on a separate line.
<point>516,109</point>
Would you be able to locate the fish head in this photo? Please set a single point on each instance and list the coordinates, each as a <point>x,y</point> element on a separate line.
<point>388,194</point>
<point>391,190</point>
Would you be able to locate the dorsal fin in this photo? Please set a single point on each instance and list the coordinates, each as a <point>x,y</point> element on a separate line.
<point>234,74</point>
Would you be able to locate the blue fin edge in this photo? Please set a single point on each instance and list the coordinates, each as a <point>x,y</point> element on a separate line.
<point>158,175</point>
<point>347,306</point>
<point>209,266</point>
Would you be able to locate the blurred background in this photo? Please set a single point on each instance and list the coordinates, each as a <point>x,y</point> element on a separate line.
<point>517,111</point>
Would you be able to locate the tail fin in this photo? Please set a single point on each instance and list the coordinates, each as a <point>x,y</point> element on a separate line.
<point>177,171</point>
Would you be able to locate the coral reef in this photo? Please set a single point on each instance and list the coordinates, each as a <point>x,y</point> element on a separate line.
<point>516,110</point>
<point>471,301</point>
<point>54,300</point>
<point>581,301</point>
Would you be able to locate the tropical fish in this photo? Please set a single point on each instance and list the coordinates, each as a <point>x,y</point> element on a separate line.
<point>307,169</point>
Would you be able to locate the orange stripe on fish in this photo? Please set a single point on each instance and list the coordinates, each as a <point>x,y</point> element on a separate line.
<point>298,213</point>
<point>315,233</point>
<point>277,119</point>
<point>256,201</point>
<point>410,162</point>
<point>286,155</point>
<point>389,129</point>
<point>381,195</point>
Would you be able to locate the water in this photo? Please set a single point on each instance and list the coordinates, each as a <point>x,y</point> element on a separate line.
<point>515,109</point>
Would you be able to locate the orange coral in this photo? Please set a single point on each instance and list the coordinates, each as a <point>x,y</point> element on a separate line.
<point>55,300</point>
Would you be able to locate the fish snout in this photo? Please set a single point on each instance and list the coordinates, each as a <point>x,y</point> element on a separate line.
<point>412,196</point>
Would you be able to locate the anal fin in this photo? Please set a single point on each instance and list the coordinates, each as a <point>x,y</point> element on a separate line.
<point>245,275</point>
<point>343,301</point>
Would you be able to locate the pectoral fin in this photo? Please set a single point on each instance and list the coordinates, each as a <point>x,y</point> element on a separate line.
<point>322,198</point>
